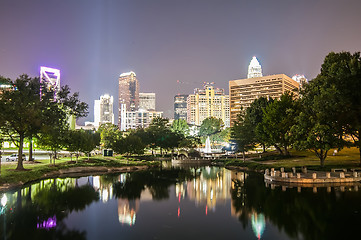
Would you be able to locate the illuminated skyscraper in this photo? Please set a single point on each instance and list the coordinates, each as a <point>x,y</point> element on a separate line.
<point>254,69</point>
<point>301,79</point>
<point>128,95</point>
<point>243,92</point>
<point>103,110</point>
<point>207,102</point>
<point>51,77</point>
<point>180,107</point>
<point>147,101</point>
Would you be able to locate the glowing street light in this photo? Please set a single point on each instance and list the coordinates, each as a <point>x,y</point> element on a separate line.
<point>4,200</point>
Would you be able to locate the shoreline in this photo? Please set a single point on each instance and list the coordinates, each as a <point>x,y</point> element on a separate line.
<point>76,172</point>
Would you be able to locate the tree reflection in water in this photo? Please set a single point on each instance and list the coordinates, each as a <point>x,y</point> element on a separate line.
<point>156,180</point>
<point>29,210</point>
<point>305,215</point>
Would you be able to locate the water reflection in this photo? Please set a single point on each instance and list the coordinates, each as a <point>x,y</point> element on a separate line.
<point>324,213</point>
<point>207,200</point>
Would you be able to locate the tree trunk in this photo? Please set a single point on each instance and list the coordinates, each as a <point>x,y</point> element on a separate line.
<point>31,149</point>
<point>264,147</point>
<point>244,156</point>
<point>54,157</point>
<point>322,161</point>
<point>279,150</point>
<point>20,166</point>
<point>286,152</point>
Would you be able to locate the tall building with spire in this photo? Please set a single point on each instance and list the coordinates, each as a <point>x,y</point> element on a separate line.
<point>254,68</point>
<point>128,94</point>
<point>242,92</point>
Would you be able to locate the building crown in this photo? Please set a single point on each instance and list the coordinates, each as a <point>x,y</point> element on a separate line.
<point>254,69</point>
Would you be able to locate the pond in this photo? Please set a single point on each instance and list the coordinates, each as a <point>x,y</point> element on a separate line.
<point>178,203</point>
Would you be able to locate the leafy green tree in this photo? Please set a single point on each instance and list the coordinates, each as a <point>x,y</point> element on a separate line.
<point>130,144</point>
<point>181,126</point>
<point>243,132</point>
<point>254,114</point>
<point>279,117</point>
<point>341,73</point>
<point>81,140</point>
<point>90,140</point>
<point>21,110</point>
<point>108,134</point>
<point>158,131</point>
<point>316,128</point>
<point>53,135</point>
<point>210,126</point>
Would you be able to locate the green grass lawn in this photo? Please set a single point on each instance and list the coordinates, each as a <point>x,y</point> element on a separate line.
<point>346,158</point>
<point>36,170</point>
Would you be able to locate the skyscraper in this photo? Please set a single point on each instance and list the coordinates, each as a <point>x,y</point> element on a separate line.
<point>128,94</point>
<point>180,106</point>
<point>147,101</point>
<point>301,79</point>
<point>243,92</point>
<point>254,69</point>
<point>51,77</point>
<point>207,102</point>
<point>103,110</point>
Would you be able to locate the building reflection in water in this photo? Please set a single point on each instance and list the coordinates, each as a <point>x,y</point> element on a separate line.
<point>258,220</point>
<point>209,187</point>
<point>258,224</point>
<point>127,210</point>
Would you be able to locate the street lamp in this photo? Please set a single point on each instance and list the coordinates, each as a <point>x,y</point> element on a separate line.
<point>4,200</point>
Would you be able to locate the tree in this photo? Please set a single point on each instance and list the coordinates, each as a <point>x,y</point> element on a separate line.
<point>108,134</point>
<point>29,108</point>
<point>157,133</point>
<point>83,141</point>
<point>130,144</point>
<point>90,140</point>
<point>316,128</point>
<point>242,132</point>
<point>210,126</point>
<point>180,126</point>
<point>21,110</point>
<point>53,135</point>
<point>279,117</point>
<point>341,73</point>
<point>254,114</point>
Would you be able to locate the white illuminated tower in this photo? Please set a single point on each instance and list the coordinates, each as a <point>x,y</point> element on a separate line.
<point>51,77</point>
<point>301,79</point>
<point>103,110</point>
<point>254,69</point>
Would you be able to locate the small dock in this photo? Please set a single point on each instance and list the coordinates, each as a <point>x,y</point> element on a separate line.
<point>312,177</point>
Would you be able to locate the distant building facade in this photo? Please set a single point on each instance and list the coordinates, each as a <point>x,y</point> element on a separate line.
<point>103,110</point>
<point>207,102</point>
<point>140,118</point>
<point>243,92</point>
<point>147,101</point>
<point>128,95</point>
<point>180,106</point>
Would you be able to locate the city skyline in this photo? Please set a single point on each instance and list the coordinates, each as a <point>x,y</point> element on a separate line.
<point>173,46</point>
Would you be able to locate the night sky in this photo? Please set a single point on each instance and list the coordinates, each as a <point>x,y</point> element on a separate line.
<point>162,41</point>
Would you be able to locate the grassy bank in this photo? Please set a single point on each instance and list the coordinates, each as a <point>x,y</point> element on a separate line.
<point>346,158</point>
<point>36,170</point>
